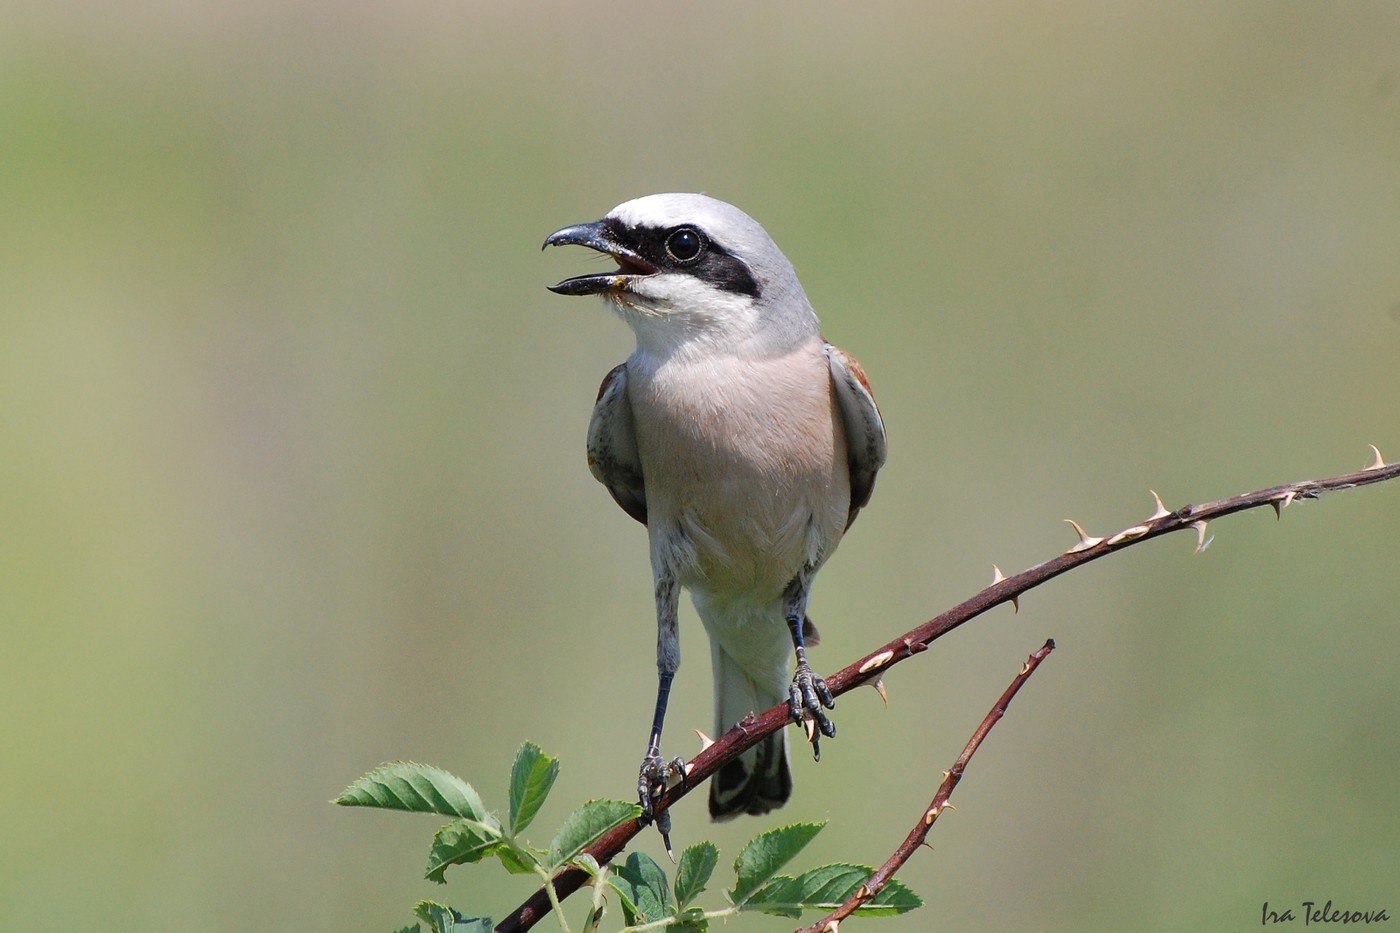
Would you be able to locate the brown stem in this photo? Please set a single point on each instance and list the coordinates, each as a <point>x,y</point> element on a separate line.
<point>876,882</point>
<point>752,729</point>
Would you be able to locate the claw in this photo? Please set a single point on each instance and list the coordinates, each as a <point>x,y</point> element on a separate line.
<point>653,779</point>
<point>663,826</point>
<point>806,697</point>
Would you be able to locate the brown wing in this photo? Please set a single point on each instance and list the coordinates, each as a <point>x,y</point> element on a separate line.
<point>865,431</point>
<point>612,446</point>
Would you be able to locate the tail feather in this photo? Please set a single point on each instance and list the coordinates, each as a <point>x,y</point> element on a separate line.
<point>759,780</point>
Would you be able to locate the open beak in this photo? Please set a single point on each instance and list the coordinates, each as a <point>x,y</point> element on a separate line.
<point>630,266</point>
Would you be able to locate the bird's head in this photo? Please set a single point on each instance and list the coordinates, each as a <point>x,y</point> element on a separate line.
<point>693,273</point>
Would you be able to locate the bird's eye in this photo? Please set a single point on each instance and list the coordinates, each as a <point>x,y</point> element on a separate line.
<point>684,245</point>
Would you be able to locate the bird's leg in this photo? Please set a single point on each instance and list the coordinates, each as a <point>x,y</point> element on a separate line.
<point>656,773</point>
<point>809,692</point>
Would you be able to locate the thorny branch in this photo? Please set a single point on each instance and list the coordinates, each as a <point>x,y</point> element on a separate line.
<point>876,883</point>
<point>867,670</point>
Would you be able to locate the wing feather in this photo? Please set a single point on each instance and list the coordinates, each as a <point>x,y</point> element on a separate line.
<point>865,431</point>
<point>612,445</point>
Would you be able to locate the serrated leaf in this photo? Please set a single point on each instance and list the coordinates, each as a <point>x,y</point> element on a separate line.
<point>586,824</point>
<point>697,864</point>
<point>407,785</point>
<point>459,843</point>
<point>516,859</point>
<point>772,898</point>
<point>624,897</point>
<point>641,885</point>
<point>766,853</point>
<point>443,919</point>
<point>828,887</point>
<point>531,778</point>
<point>589,864</point>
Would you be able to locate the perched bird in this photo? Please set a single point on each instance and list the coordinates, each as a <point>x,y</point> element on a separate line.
<point>745,443</point>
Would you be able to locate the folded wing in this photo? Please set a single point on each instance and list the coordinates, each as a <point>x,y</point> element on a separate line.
<point>612,446</point>
<point>865,431</point>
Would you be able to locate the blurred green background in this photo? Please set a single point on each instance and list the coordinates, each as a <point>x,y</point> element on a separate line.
<point>293,477</point>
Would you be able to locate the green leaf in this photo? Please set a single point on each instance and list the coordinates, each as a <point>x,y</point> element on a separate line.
<point>826,888</point>
<point>459,843</point>
<point>697,864</point>
<point>767,853</point>
<point>773,898</point>
<point>413,929</point>
<point>443,919</point>
<point>642,887</point>
<point>586,824</point>
<point>589,864</point>
<point>531,778</point>
<point>405,785</point>
<point>517,859</point>
<point>691,921</point>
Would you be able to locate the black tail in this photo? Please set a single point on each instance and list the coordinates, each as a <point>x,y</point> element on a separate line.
<point>752,785</point>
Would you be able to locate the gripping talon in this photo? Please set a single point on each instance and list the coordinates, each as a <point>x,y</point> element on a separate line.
<point>653,779</point>
<point>806,697</point>
<point>663,826</point>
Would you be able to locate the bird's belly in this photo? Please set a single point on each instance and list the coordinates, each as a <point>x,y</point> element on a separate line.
<point>743,491</point>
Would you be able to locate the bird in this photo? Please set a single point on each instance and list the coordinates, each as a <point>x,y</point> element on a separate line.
<point>746,444</point>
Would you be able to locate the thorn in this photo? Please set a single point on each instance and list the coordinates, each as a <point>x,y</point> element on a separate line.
<point>948,806</point>
<point>1025,668</point>
<point>705,740</point>
<point>1128,534</point>
<point>1161,509</point>
<point>879,686</point>
<point>1202,542</point>
<point>876,660</point>
<point>1085,541</point>
<point>832,926</point>
<point>947,774</point>
<point>1283,502</point>
<point>862,892</point>
<point>997,577</point>
<point>1379,462</point>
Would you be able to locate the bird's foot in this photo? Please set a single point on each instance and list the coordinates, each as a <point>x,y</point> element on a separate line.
<point>653,779</point>
<point>806,697</point>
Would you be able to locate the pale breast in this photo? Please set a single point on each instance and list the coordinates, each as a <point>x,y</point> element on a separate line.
<point>745,467</point>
